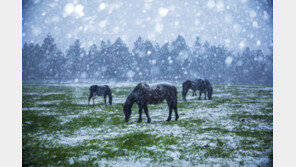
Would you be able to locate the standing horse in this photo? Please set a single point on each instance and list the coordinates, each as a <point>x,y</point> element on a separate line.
<point>143,95</point>
<point>103,90</point>
<point>206,89</point>
<point>194,85</point>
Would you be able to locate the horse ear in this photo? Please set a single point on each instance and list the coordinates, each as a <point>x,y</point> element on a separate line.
<point>142,85</point>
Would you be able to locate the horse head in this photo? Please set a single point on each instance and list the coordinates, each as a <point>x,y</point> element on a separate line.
<point>127,110</point>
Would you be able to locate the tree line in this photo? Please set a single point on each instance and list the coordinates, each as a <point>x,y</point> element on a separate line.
<point>146,61</point>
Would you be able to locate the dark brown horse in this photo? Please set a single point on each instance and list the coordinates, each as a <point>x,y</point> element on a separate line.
<point>143,95</point>
<point>207,89</point>
<point>194,85</point>
<point>103,90</point>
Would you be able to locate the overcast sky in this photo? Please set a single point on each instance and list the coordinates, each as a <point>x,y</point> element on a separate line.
<point>235,24</point>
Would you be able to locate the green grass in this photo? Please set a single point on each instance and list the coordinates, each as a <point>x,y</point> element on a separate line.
<point>60,129</point>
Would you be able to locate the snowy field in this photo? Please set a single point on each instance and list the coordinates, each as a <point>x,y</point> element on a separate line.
<point>233,129</point>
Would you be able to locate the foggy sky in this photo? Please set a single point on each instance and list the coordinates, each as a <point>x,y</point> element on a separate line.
<point>235,24</point>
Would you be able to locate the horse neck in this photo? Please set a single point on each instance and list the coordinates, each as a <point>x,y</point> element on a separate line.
<point>130,100</point>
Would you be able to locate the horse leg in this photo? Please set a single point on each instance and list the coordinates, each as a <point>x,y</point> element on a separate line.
<point>205,95</point>
<point>147,115</point>
<point>90,96</point>
<point>170,114</point>
<point>169,102</point>
<point>110,98</point>
<point>93,98</point>
<point>174,106</point>
<point>176,110</point>
<point>184,94</point>
<point>176,114</point>
<point>140,113</point>
<point>199,95</point>
<point>104,99</point>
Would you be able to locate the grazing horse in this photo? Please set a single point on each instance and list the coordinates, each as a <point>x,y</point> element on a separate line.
<point>207,88</point>
<point>103,90</point>
<point>143,95</point>
<point>194,85</point>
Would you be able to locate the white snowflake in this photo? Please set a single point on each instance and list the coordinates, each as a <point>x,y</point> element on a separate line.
<point>220,6</point>
<point>242,44</point>
<point>103,23</point>
<point>163,12</point>
<point>228,60</point>
<point>228,18</point>
<point>68,9</point>
<point>211,4</point>
<point>158,27</point>
<point>102,6</point>
<point>255,24</point>
<point>252,13</point>
<point>258,43</point>
<point>153,61</point>
<point>79,10</point>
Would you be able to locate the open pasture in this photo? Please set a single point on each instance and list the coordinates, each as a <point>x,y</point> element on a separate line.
<point>233,129</point>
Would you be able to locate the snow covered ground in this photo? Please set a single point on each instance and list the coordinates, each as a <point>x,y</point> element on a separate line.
<point>233,129</point>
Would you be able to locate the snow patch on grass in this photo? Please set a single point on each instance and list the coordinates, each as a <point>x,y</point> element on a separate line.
<point>35,109</point>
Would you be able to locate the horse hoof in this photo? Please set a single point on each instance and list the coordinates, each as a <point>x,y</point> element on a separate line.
<point>168,120</point>
<point>139,121</point>
<point>149,120</point>
<point>176,118</point>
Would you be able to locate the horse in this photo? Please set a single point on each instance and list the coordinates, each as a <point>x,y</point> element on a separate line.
<point>143,94</point>
<point>193,85</point>
<point>103,90</point>
<point>207,89</point>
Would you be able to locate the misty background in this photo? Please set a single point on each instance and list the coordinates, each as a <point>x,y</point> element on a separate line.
<point>223,41</point>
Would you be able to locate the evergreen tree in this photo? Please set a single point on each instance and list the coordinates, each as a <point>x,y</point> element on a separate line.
<point>164,62</point>
<point>195,70</point>
<point>75,65</point>
<point>147,62</point>
<point>105,58</point>
<point>120,60</point>
<point>179,59</point>
<point>138,54</point>
<point>50,63</point>
<point>93,63</point>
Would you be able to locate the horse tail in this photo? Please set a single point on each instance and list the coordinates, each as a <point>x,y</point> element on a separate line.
<point>184,89</point>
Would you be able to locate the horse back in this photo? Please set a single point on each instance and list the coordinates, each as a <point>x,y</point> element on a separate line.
<point>99,90</point>
<point>187,85</point>
<point>159,93</point>
<point>199,84</point>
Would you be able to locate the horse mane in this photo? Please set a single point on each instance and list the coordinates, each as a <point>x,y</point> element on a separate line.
<point>140,86</point>
<point>187,83</point>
